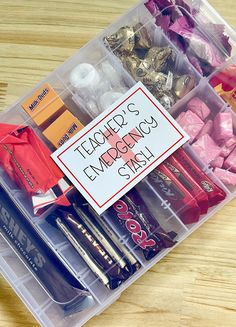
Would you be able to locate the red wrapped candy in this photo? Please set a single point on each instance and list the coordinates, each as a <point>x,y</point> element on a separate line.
<point>171,189</point>
<point>215,193</point>
<point>188,182</point>
<point>27,161</point>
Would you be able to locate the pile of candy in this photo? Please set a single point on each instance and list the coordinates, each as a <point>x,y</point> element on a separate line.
<point>213,140</point>
<point>153,65</point>
<point>187,188</point>
<point>178,20</point>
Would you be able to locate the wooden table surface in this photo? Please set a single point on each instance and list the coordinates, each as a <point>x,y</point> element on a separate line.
<point>195,285</point>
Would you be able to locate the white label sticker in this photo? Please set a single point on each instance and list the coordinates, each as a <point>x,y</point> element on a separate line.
<point>120,147</point>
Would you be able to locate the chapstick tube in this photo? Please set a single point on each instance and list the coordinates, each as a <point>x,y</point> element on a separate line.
<point>41,261</point>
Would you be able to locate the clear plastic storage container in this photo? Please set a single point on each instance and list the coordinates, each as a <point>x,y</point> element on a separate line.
<point>50,265</point>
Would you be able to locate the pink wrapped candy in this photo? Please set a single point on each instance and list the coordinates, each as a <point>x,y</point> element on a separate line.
<point>180,117</point>
<point>228,147</point>
<point>192,124</point>
<point>231,142</point>
<point>217,162</point>
<point>223,126</point>
<point>199,107</point>
<point>206,148</point>
<point>226,176</point>
<point>207,129</point>
<point>230,162</point>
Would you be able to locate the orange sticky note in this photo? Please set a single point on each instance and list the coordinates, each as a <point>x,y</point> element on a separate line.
<point>44,105</point>
<point>62,129</point>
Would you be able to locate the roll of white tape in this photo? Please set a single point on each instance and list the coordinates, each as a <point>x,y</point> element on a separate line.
<point>84,75</point>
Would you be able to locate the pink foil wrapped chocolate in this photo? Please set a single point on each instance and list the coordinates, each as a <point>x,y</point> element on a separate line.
<point>217,162</point>
<point>176,18</point>
<point>199,107</point>
<point>223,126</point>
<point>226,176</point>
<point>230,162</point>
<point>207,129</point>
<point>198,43</point>
<point>192,124</point>
<point>206,148</point>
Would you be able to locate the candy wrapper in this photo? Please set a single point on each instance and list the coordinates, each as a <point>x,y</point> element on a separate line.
<point>134,216</point>
<point>198,44</point>
<point>27,161</point>
<point>89,247</point>
<point>152,65</point>
<point>215,193</point>
<point>165,182</point>
<point>39,258</point>
<point>188,182</point>
<point>177,19</point>
<point>224,82</point>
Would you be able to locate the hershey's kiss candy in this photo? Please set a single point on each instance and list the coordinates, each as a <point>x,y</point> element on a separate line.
<point>142,37</point>
<point>167,99</point>
<point>160,58</point>
<point>183,85</point>
<point>156,79</point>
<point>131,63</point>
<point>123,41</point>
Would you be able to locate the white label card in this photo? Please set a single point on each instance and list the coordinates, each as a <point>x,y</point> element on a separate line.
<point>120,147</point>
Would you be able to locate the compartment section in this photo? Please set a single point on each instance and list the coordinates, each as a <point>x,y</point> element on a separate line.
<point>86,255</point>
<point>159,220</point>
<point>12,266</point>
<point>205,43</point>
<point>186,185</point>
<point>3,244</point>
<point>52,315</point>
<point>36,299</point>
<point>150,57</point>
<point>208,16</point>
<point>31,176</point>
<point>95,79</point>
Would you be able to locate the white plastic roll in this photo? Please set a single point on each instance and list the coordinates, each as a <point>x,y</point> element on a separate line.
<point>84,76</point>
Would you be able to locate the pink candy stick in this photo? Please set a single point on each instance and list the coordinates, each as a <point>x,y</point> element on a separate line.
<point>192,124</point>
<point>223,126</point>
<point>225,176</point>
<point>197,106</point>
<point>207,129</point>
<point>206,148</point>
